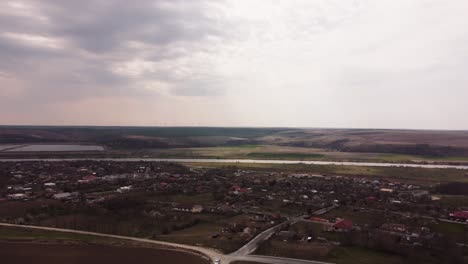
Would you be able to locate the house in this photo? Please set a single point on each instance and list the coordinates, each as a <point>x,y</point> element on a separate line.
<point>87,179</point>
<point>248,231</point>
<point>343,225</point>
<point>399,228</point>
<point>197,209</point>
<point>124,189</point>
<point>386,190</point>
<point>17,196</point>
<point>460,215</point>
<point>62,196</point>
<point>183,208</point>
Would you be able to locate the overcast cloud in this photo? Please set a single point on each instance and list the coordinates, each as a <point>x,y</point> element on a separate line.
<point>321,63</point>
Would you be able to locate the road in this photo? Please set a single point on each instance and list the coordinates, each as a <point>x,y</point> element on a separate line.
<point>209,253</point>
<point>324,210</point>
<point>312,162</point>
<point>253,244</point>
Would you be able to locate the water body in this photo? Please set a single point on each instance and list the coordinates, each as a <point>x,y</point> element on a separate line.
<point>55,148</point>
<point>6,147</point>
<point>364,164</point>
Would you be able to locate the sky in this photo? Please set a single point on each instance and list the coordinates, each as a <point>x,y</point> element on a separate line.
<point>277,63</point>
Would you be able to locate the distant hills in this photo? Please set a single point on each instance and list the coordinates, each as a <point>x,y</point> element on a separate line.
<point>415,142</point>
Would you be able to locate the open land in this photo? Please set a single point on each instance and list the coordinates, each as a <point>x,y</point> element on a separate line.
<point>22,253</point>
<point>21,245</point>
<point>362,145</point>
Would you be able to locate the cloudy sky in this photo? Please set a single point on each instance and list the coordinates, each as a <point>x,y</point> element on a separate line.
<point>305,63</point>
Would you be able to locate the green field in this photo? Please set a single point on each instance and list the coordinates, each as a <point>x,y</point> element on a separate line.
<point>272,155</point>
<point>355,255</point>
<point>26,234</point>
<point>292,153</point>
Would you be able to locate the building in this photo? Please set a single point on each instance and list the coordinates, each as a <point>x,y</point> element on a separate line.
<point>17,196</point>
<point>460,215</point>
<point>197,208</point>
<point>62,196</point>
<point>399,228</point>
<point>183,208</point>
<point>343,225</point>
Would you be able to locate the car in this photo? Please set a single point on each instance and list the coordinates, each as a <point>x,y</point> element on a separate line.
<point>217,261</point>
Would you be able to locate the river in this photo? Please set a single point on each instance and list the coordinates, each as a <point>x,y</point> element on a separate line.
<point>338,163</point>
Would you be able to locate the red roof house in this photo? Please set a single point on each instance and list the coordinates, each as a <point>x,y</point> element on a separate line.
<point>460,215</point>
<point>344,225</point>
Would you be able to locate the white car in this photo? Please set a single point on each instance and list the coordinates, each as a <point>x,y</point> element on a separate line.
<point>217,261</point>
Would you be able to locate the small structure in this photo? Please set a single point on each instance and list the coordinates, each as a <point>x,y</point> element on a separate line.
<point>343,225</point>
<point>183,208</point>
<point>460,215</point>
<point>398,228</point>
<point>386,190</point>
<point>17,196</point>
<point>197,209</point>
<point>124,189</point>
<point>62,196</point>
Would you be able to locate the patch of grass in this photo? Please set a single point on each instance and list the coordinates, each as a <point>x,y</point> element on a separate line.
<point>356,255</point>
<point>14,233</point>
<point>204,198</point>
<point>244,262</point>
<point>453,200</point>
<point>246,146</point>
<point>458,232</point>
<point>284,155</point>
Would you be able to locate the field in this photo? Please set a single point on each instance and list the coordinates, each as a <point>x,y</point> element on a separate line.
<point>292,153</point>
<point>254,143</point>
<point>354,255</point>
<point>19,245</point>
<point>24,253</point>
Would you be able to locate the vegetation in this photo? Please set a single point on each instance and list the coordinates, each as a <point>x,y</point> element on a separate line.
<point>452,188</point>
<point>336,144</point>
<point>357,255</point>
<point>271,155</point>
<point>424,176</point>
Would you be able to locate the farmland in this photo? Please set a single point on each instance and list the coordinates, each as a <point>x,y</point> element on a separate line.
<point>23,253</point>
<point>247,143</point>
<point>18,245</point>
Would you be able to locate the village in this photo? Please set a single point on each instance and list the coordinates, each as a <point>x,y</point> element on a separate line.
<point>224,208</point>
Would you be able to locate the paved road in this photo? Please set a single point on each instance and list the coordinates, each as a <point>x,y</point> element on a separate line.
<point>210,253</point>
<point>314,162</point>
<point>324,210</point>
<point>253,244</point>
